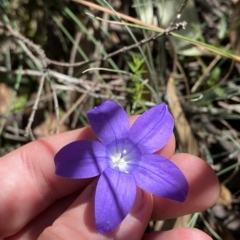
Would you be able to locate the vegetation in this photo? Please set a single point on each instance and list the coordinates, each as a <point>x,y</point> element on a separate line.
<point>61,58</point>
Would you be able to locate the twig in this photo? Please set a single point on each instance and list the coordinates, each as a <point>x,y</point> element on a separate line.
<point>172,27</point>
<point>74,106</point>
<point>62,78</point>
<point>45,61</point>
<point>56,106</point>
<point>28,42</point>
<point>74,52</point>
<point>59,76</point>
<point>14,137</point>
<point>28,130</point>
<point>175,27</point>
<point>14,130</point>
<point>178,14</point>
<point>15,134</point>
<point>29,54</point>
<point>205,74</point>
<point>185,79</point>
<point>196,95</point>
<point>28,72</point>
<point>44,98</point>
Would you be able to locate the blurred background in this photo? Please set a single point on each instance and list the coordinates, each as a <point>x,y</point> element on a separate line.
<point>60,58</point>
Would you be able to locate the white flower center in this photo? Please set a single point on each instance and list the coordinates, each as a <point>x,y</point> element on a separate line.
<point>123,155</point>
<point>120,160</point>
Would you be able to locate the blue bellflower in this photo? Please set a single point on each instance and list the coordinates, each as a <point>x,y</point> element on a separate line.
<point>124,158</point>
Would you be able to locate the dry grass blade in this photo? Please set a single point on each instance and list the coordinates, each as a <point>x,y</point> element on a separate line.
<point>185,135</point>
<point>184,131</point>
<point>5,98</point>
<point>225,197</point>
<point>202,46</point>
<point>234,34</point>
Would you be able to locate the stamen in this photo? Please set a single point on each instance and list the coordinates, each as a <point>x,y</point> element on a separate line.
<point>120,160</point>
<point>122,154</point>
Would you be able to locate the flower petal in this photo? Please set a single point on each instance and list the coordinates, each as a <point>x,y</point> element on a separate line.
<point>115,195</point>
<point>81,159</point>
<point>109,122</point>
<point>152,130</point>
<point>161,177</point>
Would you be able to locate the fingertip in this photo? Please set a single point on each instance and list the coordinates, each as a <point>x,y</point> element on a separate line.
<point>168,150</point>
<point>78,222</point>
<point>203,189</point>
<point>203,182</point>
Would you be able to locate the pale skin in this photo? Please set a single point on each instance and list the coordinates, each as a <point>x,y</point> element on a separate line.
<point>37,204</point>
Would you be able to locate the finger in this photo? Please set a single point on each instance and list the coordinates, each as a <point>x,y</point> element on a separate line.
<point>178,234</point>
<point>45,219</point>
<point>29,184</point>
<point>48,216</point>
<point>78,221</point>
<point>203,189</point>
<point>192,162</point>
<point>168,150</point>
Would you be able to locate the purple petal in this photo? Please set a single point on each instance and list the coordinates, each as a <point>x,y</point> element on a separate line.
<point>81,159</point>
<point>152,129</point>
<point>161,177</point>
<point>109,122</point>
<point>115,195</point>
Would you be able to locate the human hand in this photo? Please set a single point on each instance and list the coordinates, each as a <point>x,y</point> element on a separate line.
<point>37,204</point>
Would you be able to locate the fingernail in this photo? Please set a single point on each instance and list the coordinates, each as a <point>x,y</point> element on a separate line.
<point>89,191</point>
<point>139,201</point>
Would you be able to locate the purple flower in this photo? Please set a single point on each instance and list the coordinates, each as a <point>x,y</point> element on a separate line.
<point>124,158</point>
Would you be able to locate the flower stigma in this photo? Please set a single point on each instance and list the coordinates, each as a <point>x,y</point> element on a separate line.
<point>123,155</point>
<point>120,160</point>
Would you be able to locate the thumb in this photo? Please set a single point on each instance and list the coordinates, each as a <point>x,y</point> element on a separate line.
<point>78,221</point>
